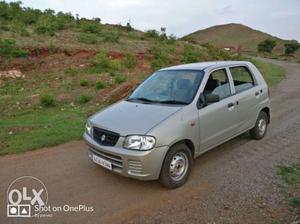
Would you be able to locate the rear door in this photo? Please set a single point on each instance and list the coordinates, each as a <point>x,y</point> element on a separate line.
<point>218,121</point>
<point>247,95</point>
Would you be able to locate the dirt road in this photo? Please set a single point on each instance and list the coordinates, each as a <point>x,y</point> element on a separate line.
<point>234,183</point>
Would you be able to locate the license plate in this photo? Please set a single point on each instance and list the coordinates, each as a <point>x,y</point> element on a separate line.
<point>102,162</point>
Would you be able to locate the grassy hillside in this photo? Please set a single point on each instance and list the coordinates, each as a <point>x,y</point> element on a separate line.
<point>238,36</point>
<point>57,69</point>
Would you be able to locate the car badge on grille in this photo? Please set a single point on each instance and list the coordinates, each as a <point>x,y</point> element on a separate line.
<point>103,138</point>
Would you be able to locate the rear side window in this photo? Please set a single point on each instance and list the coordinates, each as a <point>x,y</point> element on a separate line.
<point>242,78</point>
<point>218,84</point>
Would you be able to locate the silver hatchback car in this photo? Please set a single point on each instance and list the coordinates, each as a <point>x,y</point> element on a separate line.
<point>177,114</point>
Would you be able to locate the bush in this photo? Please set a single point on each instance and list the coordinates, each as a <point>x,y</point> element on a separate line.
<point>87,38</point>
<point>47,25</point>
<point>100,84</point>
<point>152,34</point>
<point>189,54</point>
<point>84,83</point>
<point>8,49</point>
<point>84,99</point>
<point>90,26</point>
<point>47,100</point>
<point>120,79</point>
<point>130,60</point>
<point>266,45</point>
<point>103,63</point>
<point>161,57</point>
<point>291,48</point>
<point>19,28</point>
<point>112,37</point>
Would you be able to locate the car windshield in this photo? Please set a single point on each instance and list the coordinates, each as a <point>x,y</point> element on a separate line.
<point>169,87</point>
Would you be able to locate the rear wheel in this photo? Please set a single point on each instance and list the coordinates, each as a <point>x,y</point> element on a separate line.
<point>176,167</point>
<point>261,126</point>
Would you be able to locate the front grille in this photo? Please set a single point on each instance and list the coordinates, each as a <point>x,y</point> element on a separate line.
<point>116,161</point>
<point>104,137</point>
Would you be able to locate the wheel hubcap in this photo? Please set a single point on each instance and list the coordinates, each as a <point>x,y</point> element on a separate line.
<point>262,125</point>
<point>178,166</point>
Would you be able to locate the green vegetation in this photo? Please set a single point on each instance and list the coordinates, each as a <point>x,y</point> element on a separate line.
<point>47,100</point>
<point>190,54</point>
<point>120,79</point>
<point>87,38</point>
<point>272,73</point>
<point>101,84</point>
<point>130,60</point>
<point>266,46</point>
<point>291,178</point>
<point>291,48</point>
<point>8,49</point>
<point>84,99</point>
<point>39,128</point>
<point>84,83</point>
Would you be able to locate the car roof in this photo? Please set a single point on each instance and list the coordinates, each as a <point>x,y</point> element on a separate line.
<point>205,65</point>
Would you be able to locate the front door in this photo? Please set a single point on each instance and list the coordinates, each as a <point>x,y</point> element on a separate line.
<point>217,121</point>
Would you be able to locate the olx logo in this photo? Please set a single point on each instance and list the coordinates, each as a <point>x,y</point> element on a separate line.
<point>23,195</point>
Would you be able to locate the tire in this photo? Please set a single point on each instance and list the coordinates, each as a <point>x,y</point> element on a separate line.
<point>260,129</point>
<point>172,175</point>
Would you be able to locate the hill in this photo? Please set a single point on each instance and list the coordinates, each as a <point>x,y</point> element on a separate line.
<point>236,36</point>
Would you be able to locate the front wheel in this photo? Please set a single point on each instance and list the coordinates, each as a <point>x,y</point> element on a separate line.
<point>176,167</point>
<point>261,126</point>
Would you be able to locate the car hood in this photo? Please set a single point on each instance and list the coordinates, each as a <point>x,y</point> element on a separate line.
<point>128,118</point>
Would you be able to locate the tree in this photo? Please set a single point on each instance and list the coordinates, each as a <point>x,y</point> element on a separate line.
<point>266,45</point>
<point>290,48</point>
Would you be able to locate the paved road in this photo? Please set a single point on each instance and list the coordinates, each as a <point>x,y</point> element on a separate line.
<point>234,183</point>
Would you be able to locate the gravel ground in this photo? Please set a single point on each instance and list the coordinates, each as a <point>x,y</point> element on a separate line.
<point>233,183</point>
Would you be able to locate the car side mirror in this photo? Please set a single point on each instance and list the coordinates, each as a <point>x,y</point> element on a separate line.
<point>206,99</point>
<point>212,98</point>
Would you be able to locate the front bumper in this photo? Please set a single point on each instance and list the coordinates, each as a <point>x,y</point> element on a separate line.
<point>142,165</point>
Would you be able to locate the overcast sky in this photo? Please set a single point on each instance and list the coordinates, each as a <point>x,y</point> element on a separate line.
<point>180,17</point>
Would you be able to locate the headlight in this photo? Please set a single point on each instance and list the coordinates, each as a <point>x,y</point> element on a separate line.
<point>88,128</point>
<point>139,142</point>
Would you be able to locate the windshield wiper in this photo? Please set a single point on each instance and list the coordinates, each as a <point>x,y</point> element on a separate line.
<point>142,99</point>
<point>173,102</point>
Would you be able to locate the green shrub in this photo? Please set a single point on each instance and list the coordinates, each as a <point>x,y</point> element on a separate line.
<point>111,37</point>
<point>102,62</point>
<point>47,25</point>
<point>152,34</point>
<point>161,57</point>
<point>130,60</point>
<point>84,82</point>
<point>19,28</point>
<point>47,100</point>
<point>115,65</point>
<point>87,38</point>
<point>266,46</point>
<point>90,26</point>
<point>71,71</point>
<point>120,79</point>
<point>100,84</point>
<point>8,49</point>
<point>189,54</point>
<point>291,48</point>
<point>84,99</point>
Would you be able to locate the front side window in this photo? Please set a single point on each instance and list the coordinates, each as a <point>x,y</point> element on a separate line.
<point>242,78</point>
<point>170,86</point>
<point>218,84</point>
